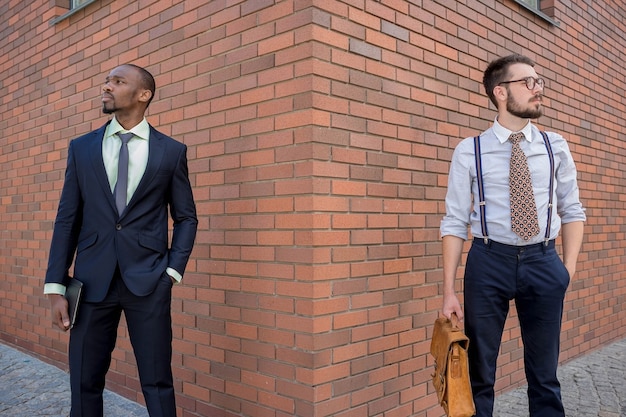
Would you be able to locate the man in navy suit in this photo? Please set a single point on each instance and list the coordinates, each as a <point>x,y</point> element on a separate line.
<point>123,256</point>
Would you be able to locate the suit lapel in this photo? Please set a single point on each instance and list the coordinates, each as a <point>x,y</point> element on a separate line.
<point>156,150</point>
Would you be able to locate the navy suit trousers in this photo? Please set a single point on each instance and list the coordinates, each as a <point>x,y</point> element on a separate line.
<point>535,277</point>
<point>92,341</point>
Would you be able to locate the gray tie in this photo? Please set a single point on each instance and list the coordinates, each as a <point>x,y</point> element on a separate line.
<point>122,173</point>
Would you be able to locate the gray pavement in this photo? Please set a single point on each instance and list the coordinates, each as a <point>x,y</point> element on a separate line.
<point>592,386</point>
<point>32,388</point>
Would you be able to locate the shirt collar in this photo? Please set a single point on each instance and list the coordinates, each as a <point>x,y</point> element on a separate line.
<point>142,130</point>
<point>502,133</point>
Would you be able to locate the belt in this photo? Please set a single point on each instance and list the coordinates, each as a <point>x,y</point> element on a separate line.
<point>512,249</point>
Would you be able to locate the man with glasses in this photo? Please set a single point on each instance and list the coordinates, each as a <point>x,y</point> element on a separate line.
<point>515,188</point>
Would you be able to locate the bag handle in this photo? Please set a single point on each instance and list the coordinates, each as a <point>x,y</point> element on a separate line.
<point>454,319</point>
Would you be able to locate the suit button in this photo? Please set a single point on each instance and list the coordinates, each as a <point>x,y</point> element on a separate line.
<point>118,227</point>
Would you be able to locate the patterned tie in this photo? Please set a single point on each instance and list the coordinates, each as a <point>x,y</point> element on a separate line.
<point>524,220</point>
<point>122,173</point>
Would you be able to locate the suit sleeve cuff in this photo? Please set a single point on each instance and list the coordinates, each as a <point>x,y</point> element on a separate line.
<point>54,289</point>
<point>174,274</point>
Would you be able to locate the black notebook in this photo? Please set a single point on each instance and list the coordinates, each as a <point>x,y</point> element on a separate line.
<point>73,294</point>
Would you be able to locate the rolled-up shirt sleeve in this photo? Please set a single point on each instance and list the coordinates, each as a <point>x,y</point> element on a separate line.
<point>458,201</point>
<point>569,207</point>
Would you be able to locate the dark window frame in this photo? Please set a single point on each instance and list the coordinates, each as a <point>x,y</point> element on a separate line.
<point>71,10</point>
<point>537,10</point>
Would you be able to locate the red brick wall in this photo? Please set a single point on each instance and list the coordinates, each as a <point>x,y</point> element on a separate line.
<point>319,134</point>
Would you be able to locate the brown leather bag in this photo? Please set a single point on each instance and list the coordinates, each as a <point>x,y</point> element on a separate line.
<point>451,378</point>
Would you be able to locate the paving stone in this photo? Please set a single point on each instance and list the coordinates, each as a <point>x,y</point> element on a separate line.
<point>592,386</point>
<point>33,388</point>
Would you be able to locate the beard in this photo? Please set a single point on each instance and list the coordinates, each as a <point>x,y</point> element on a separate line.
<point>528,113</point>
<point>108,106</point>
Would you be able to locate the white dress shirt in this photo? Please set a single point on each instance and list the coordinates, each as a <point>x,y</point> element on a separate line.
<point>138,149</point>
<point>496,153</point>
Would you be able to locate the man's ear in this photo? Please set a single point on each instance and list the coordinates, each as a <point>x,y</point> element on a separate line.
<point>500,93</point>
<point>145,96</point>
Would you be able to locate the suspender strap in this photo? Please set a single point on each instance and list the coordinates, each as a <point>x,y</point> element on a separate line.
<point>546,142</point>
<point>481,189</point>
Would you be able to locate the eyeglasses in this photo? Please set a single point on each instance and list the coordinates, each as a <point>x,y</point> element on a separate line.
<point>531,82</point>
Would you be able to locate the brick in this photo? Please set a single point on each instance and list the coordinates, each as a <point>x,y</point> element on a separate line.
<point>319,138</point>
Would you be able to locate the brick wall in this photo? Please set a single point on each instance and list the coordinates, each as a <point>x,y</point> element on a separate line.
<point>319,135</point>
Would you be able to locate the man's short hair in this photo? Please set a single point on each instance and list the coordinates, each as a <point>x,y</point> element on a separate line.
<point>147,80</point>
<point>498,71</point>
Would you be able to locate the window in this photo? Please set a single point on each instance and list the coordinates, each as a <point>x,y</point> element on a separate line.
<point>535,6</point>
<point>532,3</point>
<point>78,3</point>
<point>68,8</point>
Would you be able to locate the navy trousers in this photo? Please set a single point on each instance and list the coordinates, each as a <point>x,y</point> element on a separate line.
<point>535,277</point>
<point>93,339</point>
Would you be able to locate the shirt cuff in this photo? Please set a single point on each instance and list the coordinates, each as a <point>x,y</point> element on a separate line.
<point>54,289</point>
<point>174,274</point>
<point>60,288</point>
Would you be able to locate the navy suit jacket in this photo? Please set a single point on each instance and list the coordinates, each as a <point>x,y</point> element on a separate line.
<point>89,232</point>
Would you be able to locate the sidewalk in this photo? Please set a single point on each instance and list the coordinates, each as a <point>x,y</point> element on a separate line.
<point>32,388</point>
<point>592,386</point>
